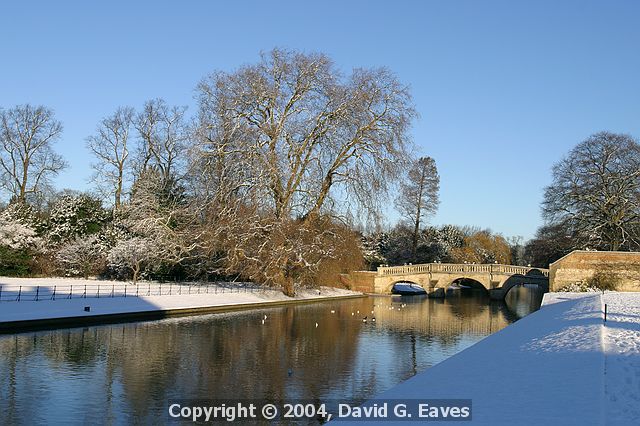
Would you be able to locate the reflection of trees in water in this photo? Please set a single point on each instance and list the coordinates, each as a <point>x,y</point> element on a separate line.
<point>220,357</point>
<point>10,352</point>
<point>137,367</point>
<point>443,320</point>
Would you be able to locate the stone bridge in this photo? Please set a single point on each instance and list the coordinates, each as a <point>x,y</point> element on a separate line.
<point>436,278</point>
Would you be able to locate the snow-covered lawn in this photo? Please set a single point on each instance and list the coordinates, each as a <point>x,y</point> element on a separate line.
<point>561,365</point>
<point>181,297</point>
<point>622,358</point>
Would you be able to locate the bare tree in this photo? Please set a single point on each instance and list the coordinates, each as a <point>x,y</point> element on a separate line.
<point>418,196</point>
<point>291,140</point>
<point>111,147</point>
<point>163,135</point>
<point>595,193</point>
<point>308,134</point>
<point>27,159</point>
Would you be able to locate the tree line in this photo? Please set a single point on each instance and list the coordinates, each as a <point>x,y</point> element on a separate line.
<point>271,180</point>
<point>263,181</point>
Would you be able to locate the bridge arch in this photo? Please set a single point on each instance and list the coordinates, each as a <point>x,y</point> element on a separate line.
<point>519,279</point>
<point>474,283</point>
<point>399,281</point>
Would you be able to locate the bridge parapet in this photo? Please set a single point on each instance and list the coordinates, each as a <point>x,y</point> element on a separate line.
<point>491,268</point>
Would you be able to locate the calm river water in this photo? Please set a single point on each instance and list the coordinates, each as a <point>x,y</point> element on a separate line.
<point>126,373</point>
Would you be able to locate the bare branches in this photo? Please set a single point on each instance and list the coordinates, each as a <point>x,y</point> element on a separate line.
<point>307,134</point>
<point>163,136</point>
<point>27,159</point>
<point>285,146</point>
<point>595,193</point>
<point>110,146</point>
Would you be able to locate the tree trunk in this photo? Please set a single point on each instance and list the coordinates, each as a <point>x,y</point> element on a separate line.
<point>288,288</point>
<point>416,230</point>
<point>136,271</point>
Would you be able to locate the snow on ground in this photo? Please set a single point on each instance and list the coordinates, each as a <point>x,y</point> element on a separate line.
<point>543,369</point>
<point>61,307</point>
<point>561,365</point>
<point>622,358</point>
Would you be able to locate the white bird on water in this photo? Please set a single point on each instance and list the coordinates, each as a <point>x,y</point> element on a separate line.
<point>333,312</point>
<point>316,325</point>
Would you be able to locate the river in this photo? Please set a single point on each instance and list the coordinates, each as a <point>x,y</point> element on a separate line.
<point>126,373</point>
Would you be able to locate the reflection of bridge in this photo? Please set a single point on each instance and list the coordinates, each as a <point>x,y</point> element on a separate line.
<point>437,277</point>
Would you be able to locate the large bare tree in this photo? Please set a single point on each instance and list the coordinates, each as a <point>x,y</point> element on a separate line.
<point>290,140</point>
<point>27,159</point>
<point>595,193</point>
<point>418,196</point>
<point>111,147</point>
<point>309,135</point>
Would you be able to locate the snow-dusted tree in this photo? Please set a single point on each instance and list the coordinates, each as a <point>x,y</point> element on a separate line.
<point>27,158</point>
<point>435,244</point>
<point>111,146</point>
<point>450,237</point>
<point>372,247</point>
<point>158,212</point>
<point>595,193</point>
<point>397,245</point>
<point>133,256</point>
<point>19,241</point>
<point>82,256</point>
<point>25,214</point>
<point>418,196</point>
<point>16,235</point>
<point>73,215</point>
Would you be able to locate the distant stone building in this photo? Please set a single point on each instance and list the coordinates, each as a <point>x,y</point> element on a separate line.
<point>581,266</point>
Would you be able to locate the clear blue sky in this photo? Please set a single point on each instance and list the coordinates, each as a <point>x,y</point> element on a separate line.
<point>504,88</point>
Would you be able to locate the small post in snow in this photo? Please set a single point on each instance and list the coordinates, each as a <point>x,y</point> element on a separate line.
<point>605,312</point>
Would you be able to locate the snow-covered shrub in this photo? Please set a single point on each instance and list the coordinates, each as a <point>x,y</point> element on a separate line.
<point>72,216</point>
<point>132,257</point>
<point>82,256</point>
<point>17,236</point>
<point>19,241</point>
<point>578,287</point>
<point>372,247</point>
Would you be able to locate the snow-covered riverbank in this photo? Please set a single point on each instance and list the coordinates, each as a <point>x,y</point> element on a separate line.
<point>559,365</point>
<point>143,298</point>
